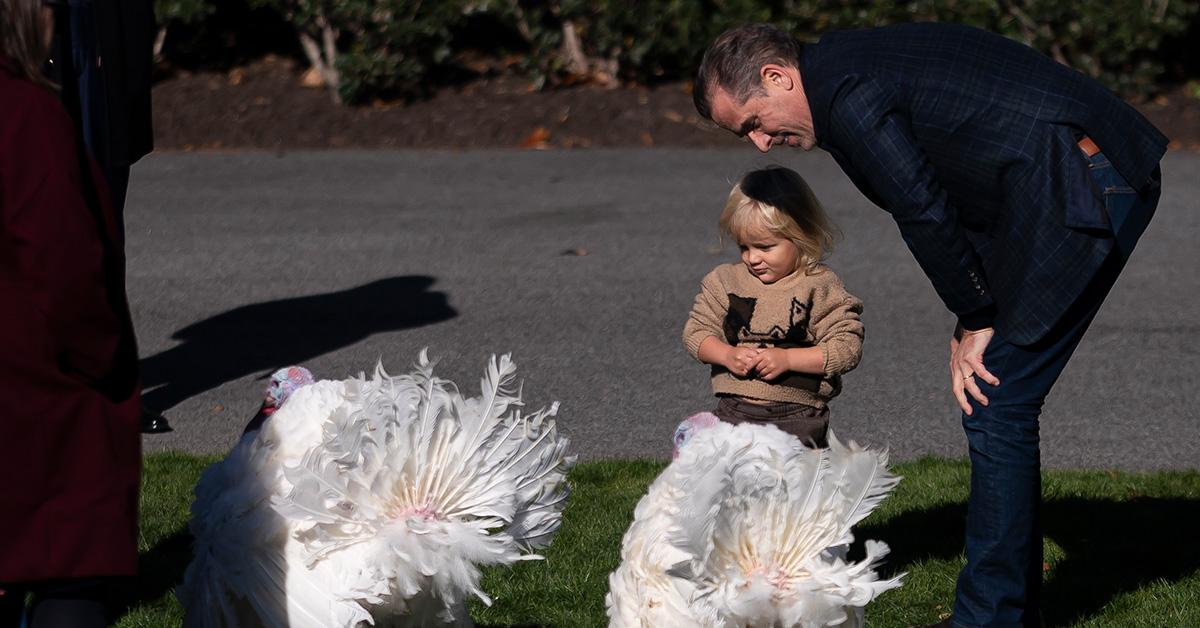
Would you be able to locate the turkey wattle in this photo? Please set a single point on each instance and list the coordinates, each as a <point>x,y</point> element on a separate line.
<point>374,500</point>
<point>747,527</point>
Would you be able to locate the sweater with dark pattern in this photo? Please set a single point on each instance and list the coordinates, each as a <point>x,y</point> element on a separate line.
<point>800,310</point>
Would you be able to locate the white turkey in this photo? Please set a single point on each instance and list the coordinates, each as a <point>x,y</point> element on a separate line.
<point>374,500</point>
<point>747,527</point>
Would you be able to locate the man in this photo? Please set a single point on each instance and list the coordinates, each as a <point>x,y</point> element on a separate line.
<point>1019,185</point>
<point>111,46</point>
<point>105,65</point>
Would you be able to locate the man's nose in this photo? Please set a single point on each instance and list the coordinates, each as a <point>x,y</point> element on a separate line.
<point>761,140</point>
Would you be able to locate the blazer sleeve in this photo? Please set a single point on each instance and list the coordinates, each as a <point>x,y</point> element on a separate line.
<point>708,314</point>
<point>56,239</point>
<point>868,123</point>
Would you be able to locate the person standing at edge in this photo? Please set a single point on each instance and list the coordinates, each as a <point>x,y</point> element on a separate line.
<point>70,447</point>
<point>1019,185</point>
<point>105,66</point>
<point>104,62</point>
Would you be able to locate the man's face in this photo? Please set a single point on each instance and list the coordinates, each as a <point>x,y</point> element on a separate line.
<point>779,116</point>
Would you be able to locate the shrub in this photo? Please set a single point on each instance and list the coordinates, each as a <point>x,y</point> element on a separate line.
<point>170,12</point>
<point>182,11</point>
<point>367,49</point>
<point>372,48</point>
<point>607,40</point>
<point>1115,41</point>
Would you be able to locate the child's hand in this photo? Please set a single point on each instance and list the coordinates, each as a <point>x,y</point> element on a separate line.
<point>771,363</point>
<point>740,360</point>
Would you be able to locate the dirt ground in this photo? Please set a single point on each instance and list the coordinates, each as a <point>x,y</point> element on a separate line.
<point>265,106</point>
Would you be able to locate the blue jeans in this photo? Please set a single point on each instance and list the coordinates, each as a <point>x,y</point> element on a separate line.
<point>1001,583</point>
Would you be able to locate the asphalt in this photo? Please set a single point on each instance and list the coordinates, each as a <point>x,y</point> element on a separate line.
<point>583,265</point>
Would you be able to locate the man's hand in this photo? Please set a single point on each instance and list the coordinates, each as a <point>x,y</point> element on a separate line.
<point>772,363</point>
<point>740,360</point>
<point>966,363</point>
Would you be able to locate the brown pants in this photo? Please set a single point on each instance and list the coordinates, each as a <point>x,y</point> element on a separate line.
<point>808,423</point>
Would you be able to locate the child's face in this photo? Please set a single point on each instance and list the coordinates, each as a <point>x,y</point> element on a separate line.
<point>768,256</point>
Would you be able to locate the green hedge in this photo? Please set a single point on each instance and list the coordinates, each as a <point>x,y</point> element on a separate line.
<point>388,48</point>
<point>182,11</point>
<point>373,48</point>
<point>178,12</point>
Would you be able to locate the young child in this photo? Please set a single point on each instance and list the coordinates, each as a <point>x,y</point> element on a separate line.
<point>778,329</point>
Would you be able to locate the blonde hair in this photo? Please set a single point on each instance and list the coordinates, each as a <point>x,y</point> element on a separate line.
<point>779,201</point>
<point>21,38</point>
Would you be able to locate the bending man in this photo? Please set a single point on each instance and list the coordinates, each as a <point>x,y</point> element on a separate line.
<point>1020,186</point>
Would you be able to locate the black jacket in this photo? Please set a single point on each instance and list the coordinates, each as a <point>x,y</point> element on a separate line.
<point>126,31</point>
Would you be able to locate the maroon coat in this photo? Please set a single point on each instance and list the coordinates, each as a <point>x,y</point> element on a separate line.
<point>70,447</point>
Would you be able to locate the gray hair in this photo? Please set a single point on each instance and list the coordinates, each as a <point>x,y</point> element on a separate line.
<point>733,61</point>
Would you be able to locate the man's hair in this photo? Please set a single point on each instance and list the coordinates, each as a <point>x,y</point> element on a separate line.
<point>21,38</point>
<point>732,63</point>
<point>778,201</point>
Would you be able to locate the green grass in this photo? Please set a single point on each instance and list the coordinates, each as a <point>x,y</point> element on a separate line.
<point>164,544</point>
<point>1121,548</point>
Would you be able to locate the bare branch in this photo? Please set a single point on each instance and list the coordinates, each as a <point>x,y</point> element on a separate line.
<point>572,50</point>
<point>522,25</point>
<point>159,39</point>
<point>323,61</point>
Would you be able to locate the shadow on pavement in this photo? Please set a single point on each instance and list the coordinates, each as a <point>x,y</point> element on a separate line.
<point>262,337</point>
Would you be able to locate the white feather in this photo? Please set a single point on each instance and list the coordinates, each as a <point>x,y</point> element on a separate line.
<point>375,500</point>
<point>747,527</point>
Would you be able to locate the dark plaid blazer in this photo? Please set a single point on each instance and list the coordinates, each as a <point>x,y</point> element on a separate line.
<point>969,140</point>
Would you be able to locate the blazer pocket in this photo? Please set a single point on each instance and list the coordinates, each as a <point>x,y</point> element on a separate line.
<point>1119,201</point>
<point>1086,208</point>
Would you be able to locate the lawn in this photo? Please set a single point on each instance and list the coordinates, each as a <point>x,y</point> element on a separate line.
<point>1121,548</point>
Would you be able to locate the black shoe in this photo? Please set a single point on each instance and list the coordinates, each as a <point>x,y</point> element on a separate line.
<point>153,423</point>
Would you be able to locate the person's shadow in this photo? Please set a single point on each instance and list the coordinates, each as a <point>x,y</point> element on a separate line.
<point>262,337</point>
<point>1111,547</point>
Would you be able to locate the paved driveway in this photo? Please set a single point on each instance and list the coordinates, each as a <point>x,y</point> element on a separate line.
<point>584,264</point>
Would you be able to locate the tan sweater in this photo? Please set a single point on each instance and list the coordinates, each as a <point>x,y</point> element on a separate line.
<point>797,311</point>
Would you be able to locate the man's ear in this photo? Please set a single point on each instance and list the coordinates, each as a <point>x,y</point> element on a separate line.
<point>775,75</point>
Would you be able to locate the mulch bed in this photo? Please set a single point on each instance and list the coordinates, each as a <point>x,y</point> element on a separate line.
<point>263,105</point>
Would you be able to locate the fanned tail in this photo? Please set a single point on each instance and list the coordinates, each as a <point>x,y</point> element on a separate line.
<point>862,477</point>
<point>423,485</point>
<point>755,524</point>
